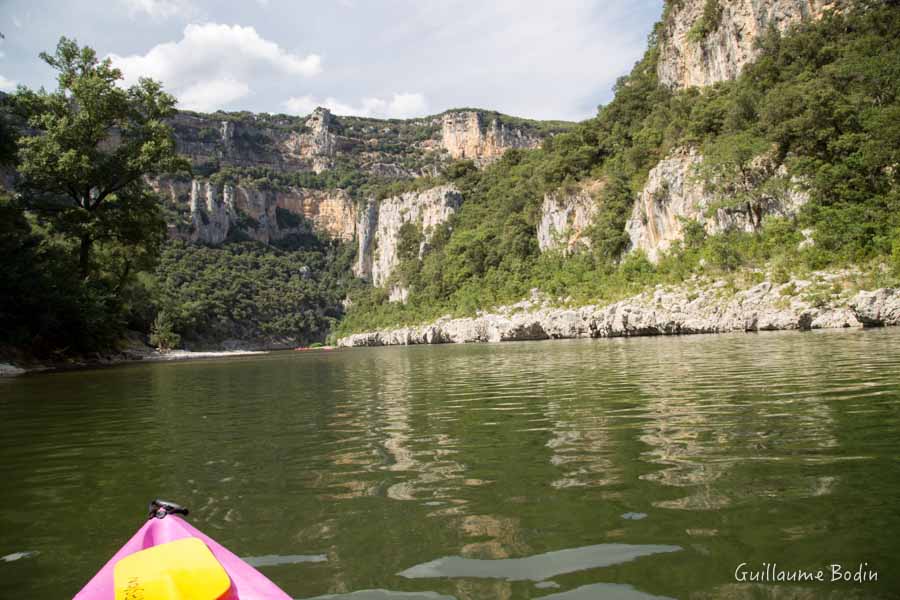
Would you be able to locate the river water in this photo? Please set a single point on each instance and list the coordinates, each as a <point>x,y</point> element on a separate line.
<point>625,469</point>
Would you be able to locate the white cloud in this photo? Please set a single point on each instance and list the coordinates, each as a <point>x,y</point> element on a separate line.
<point>207,96</point>
<point>7,85</point>
<point>531,58</point>
<point>214,65</point>
<point>527,57</point>
<point>399,106</point>
<point>17,22</point>
<point>158,9</point>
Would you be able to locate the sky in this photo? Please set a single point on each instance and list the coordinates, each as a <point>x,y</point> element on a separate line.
<point>542,59</point>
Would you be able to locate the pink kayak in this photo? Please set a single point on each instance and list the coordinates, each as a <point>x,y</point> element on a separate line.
<point>168,559</point>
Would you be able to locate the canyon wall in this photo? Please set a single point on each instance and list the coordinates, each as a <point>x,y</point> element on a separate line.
<point>284,146</point>
<point>392,149</point>
<point>701,42</point>
<point>673,196</point>
<point>274,143</point>
<point>474,136</point>
<point>705,41</point>
<point>566,216</point>
<point>378,230</point>
<point>213,213</point>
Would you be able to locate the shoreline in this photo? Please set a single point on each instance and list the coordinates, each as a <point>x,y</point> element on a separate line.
<point>9,369</point>
<point>681,310</point>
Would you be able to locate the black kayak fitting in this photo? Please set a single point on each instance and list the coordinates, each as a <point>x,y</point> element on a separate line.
<point>159,509</point>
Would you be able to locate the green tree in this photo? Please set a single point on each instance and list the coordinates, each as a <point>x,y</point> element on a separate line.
<point>84,173</point>
<point>410,240</point>
<point>742,174</point>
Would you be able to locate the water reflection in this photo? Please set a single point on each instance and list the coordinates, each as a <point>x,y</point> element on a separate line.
<point>273,560</point>
<point>705,417</point>
<point>732,448</point>
<point>384,595</point>
<point>606,591</point>
<point>18,556</point>
<point>537,567</point>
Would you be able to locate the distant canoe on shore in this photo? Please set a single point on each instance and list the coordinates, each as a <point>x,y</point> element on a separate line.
<point>309,348</point>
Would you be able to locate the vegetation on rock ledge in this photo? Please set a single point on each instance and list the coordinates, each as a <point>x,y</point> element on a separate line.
<point>823,101</point>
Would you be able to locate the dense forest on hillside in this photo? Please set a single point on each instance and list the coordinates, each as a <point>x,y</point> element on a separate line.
<point>187,295</point>
<point>248,291</point>
<point>823,100</point>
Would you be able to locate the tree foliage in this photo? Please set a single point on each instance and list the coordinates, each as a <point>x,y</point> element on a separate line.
<point>83,222</point>
<point>84,171</point>
<point>248,291</point>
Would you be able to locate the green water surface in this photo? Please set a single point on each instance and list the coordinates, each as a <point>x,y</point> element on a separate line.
<point>623,469</point>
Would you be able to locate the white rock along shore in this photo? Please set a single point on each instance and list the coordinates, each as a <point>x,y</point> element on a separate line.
<point>797,304</point>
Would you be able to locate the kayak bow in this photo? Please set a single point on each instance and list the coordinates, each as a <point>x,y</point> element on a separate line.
<point>168,559</point>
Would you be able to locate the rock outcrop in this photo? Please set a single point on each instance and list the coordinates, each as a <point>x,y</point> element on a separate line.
<point>280,147</point>
<point>392,149</point>
<point>378,230</point>
<point>566,216</point>
<point>673,196</point>
<point>705,41</point>
<point>471,135</point>
<point>10,370</point>
<point>277,144</point>
<point>318,143</point>
<point>683,310</point>
<point>218,212</point>
<point>878,308</point>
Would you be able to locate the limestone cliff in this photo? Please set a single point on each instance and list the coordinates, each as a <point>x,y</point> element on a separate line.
<point>218,212</point>
<point>673,195</point>
<point>692,308</point>
<point>378,230</point>
<point>321,141</point>
<point>705,41</point>
<point>276,143</point>
<point>566,216</point>
<point>283,149</point>
<point>471,135</point>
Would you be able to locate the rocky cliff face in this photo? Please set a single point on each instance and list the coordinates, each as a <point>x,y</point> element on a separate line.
<point>285,145</point>
<point>393,149</point>
<point>218,212</point>
<point>378,230</point>
<point>320,143</point>
<point>275,143</point>
<point>566,216</point>
<point>709,308</point>
<point>471,135</point>
<point>705,41</point>
<point>673,196</point>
